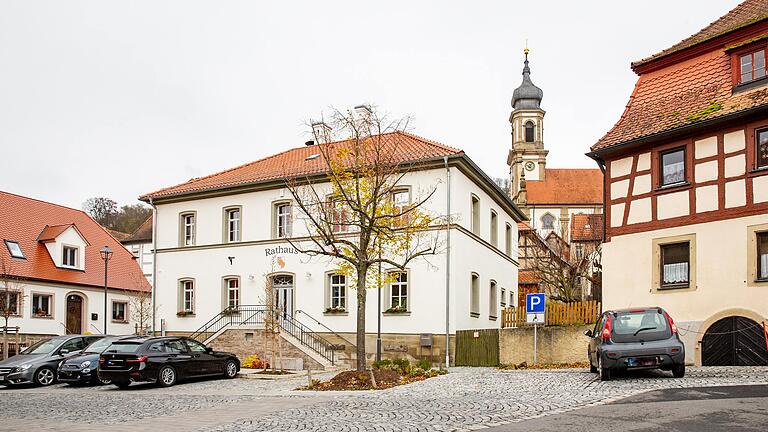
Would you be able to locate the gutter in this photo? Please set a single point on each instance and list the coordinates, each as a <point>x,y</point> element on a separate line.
<point>154,262</point>
<point>447,265</point>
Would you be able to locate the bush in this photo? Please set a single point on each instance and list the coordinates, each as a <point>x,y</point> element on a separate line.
<point>424,364</point>
<point>254,362</point>
<point>382,364</point>
<point>403,366</point>
<point>417,372</point>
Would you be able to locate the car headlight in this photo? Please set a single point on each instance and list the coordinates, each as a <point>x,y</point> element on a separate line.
<point>85,364</point>
<point>25,366</point>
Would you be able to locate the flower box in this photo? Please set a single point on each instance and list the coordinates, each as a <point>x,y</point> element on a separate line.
<point>185,313</point>
<point>335,310</point>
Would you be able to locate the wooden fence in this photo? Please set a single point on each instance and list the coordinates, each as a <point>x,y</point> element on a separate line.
<point>585,312</point>
<point>477,347</point>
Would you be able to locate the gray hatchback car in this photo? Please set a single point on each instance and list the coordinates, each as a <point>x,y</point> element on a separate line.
<point>638,338</point>
<point>38,363</point>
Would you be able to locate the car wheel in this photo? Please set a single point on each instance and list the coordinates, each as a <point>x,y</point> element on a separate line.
<point>122,384</point>
<point>678,371</point>
<point>230,369</point>
<point>45,376</point>
<point>592,368</point>
<point>98,381</point>
<point>605,373</point>
<point>166,377</point>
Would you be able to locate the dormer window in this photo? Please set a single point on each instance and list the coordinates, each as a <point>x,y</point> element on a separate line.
<point>751,66</point>
<point>69,256</point>
<point>15,249</point>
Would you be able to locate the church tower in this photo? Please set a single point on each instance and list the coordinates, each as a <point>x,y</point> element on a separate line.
<point>527,158</point>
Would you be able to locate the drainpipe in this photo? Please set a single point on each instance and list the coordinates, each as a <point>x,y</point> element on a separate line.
<point>154,260</point>
<point>447,264</point>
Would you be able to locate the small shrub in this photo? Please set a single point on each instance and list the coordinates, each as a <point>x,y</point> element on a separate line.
<point>254,362</point>
<point>417,372</point>
<point>424,364</point>
<point>403,366</point>
<point>382,364</point>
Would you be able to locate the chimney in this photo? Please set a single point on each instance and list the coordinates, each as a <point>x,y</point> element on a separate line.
<point>321,132</point>
<point>363,114</point>
<point>309,143</point>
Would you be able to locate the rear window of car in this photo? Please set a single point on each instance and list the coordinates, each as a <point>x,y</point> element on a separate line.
<point>124,347</point>
<point>640,325</point>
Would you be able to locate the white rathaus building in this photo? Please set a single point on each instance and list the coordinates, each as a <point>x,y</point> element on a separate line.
<point>218,237</point>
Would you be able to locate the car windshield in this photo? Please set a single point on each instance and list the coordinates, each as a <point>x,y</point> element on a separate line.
<point>45,346</point>
<point>640,325</point>
<point>124,347</point>
<point>99,346</point>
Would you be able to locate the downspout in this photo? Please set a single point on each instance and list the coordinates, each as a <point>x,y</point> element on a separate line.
<point>154,261</point>
<point>447,265</point>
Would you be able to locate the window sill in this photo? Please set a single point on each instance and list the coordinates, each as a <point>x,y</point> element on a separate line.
<point>674,287</point>
<point>758,171</point>
<point>670,187</point>
<point>42,316</point>
<point>335,313</point>
<point>119,322</point>
<point>749,85</point>
<point>185,314</point>
<point>492,318</point>
<point>407,313</point>
<point>474,314</point>
<point>761,281</point>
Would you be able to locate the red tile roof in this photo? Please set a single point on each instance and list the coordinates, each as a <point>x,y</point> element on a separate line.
<point>143,233</point>
<point>690,91</point>
<point>567,186</point>
<point>50,233</point>
<point>587,227</point>
<point>24,219</point>
<point>118,235</point>
<point>404,146</point>
<point>525,277</point>
<point>746,13</point>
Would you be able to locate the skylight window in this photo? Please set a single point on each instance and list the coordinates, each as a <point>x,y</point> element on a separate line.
<point>312,157</point>
<point>15,249</point>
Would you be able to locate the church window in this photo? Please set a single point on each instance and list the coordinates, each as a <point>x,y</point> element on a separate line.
<point>548,221</point>
<point>529,131</point>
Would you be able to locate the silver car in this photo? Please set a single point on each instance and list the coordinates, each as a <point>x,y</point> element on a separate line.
<point>38,363</point>
<point>638,338</point>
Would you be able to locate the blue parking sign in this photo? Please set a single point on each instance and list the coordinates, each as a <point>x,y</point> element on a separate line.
<point>534,303</point>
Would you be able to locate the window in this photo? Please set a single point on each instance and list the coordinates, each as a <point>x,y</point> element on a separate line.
<point>494,229</point>
<point>9,301</point>
<point>752,66</point>
<point>233,224</point>
<point>175,347</point>
<point>14,249</point>
<point>120,311</point>
<point>337,284</point>
<point>508,239</point>
<point>232,286</point>
<point>135,251</point>
<point>579,252</point>
<point>398,291</point>
<point>503,302</point>
<point>762,256</point>
<point>73,345</point>
<point>761,148</point>
<point>475,215</point>
<point>338,215</point>
<point>672,167</point>
<point>69,256</point>
<point>530,129</point>
<point>41,305</point>
<point>401,199</point>
<point>548,221</point>
<point>188,229</point>
<point>195,346</point>
<point>474,304</point>
<point>675,260</point>
<point>283,220</point>
<point>493,296</point>
<point>187,288</point>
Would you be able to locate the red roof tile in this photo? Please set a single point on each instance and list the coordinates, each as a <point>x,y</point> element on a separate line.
<point>587,227</point>
<point>746,13</point>
<point>143,233</point>
<point>404,146</point>
<point>690,91</point>
<point>24,219</point>
<point>50,233</point>
<point>118,235</point>
<point>567,186</point>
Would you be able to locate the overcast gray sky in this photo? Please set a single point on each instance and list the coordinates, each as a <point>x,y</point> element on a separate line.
<point>103,98</point>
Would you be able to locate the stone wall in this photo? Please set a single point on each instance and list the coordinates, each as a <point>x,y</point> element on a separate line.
<point>246,342</point>
<point>556,344</point>
<point>394,346</point>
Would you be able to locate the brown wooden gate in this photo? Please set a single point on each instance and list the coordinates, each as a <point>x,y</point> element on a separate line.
<point>734,341</point>
<point>477,347</point>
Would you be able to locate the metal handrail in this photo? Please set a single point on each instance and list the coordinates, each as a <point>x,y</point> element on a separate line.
<point>354,346</point>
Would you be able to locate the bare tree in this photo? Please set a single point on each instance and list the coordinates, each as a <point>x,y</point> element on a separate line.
<point>140,308</point>
<point>354,216</point>
<point>11,297</point>
<point>551,263</point>
<point>272,338</point>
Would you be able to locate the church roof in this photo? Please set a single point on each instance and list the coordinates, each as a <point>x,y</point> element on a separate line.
<point>566,186</point>
<point>527,95</point>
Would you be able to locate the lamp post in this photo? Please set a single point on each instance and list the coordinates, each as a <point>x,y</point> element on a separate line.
<point>106,255</point>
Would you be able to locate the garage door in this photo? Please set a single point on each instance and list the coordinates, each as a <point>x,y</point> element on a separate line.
<point>734,341</point>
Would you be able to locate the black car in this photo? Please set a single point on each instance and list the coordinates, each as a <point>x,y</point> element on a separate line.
<point>163,360</point>
<point>37,364</point>
<point>639,338</point>
<point>82,368</point>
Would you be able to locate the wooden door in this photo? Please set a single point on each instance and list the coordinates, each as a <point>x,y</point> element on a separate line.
<point>734,341</point>
<point>75,314</point>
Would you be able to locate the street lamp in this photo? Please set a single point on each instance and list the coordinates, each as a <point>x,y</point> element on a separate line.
<point>106,255</point>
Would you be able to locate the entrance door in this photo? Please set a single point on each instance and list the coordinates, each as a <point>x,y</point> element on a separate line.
<point>283,287</point>
<point>734,341</point>
<point>74,314</point>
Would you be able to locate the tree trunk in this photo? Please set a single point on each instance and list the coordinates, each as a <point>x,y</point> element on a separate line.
<point>362,272</point>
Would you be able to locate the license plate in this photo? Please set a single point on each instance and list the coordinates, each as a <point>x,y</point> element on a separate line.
<point>2,377</point>
<point>643,361</point>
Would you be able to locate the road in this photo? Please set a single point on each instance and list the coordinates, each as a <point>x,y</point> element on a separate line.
<point>711,409</point>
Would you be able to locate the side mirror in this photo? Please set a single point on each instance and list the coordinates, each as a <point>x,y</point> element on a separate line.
<point>588,333</point>
<point>63,351</point>
<point>208,350</point>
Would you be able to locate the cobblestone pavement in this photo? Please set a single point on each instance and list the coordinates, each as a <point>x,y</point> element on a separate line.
<point>465,399</point>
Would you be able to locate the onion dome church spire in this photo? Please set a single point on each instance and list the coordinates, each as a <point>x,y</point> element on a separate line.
<point>527,95</point>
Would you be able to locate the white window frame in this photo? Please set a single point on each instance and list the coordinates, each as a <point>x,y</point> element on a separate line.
<point>65,257</point>
<point>283,219</point>
<point>544,224</point>
<point>337,285</point>
<point>493,292</point>
<point>474,295</point>
<point>230,290</point>
<point>16,252</point>
<point>475,214</point>
<point>234,224</point>
<point>187,287</point>
<point>188,228</point>
<point>494,229</point>
<point>34,305</point>
<point>399,285</point>
<point>125,311</point>
<point>508,239</point>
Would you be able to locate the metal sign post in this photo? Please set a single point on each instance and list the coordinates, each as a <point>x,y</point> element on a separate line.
<point>535,313</point>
